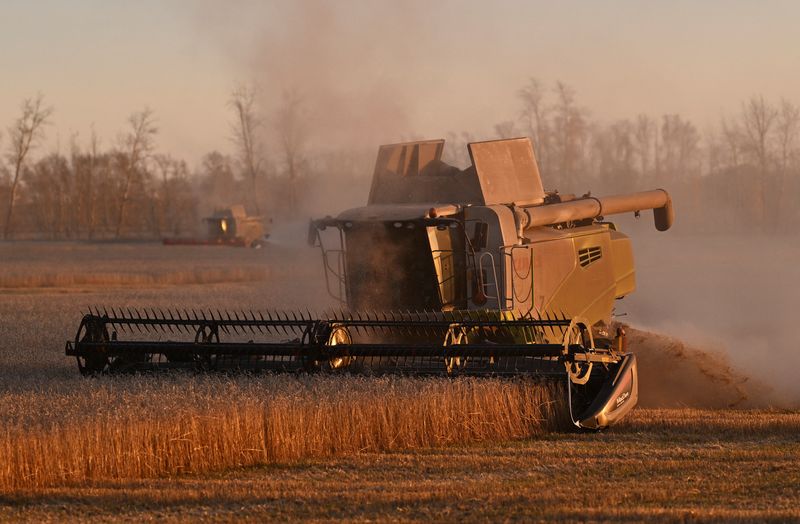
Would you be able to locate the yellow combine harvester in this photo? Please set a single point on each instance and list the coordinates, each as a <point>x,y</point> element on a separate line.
<point>445,271</point>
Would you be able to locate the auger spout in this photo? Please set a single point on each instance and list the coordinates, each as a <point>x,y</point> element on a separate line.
<point>593,207</point>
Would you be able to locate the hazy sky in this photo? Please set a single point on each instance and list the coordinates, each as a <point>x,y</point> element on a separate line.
<point>372,71</point>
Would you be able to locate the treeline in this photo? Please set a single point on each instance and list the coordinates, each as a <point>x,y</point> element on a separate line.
<point>739,174</point>
<point>743,173</point>
<point>129,190</point>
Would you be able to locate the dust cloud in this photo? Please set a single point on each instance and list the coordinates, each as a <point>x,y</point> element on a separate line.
<point>722,305</point>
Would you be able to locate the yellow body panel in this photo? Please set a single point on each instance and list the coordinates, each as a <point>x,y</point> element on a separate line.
<point>577,272</point>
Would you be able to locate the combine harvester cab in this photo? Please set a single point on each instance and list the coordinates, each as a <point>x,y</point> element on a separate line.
<point>444,271</point>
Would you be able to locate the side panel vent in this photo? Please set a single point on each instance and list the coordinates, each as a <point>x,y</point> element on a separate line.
<point>588,255</point>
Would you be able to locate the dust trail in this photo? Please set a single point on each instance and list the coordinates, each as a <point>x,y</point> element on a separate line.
<point>673,373</point>
<point>729,295</point>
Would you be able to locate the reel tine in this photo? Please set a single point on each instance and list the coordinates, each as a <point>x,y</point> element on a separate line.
<point>503,325</point>
<point>155,321</point>
<point>172,322</point>
<point>405,322</point>
<point>484,322</point>
<point>220,321</point>
<point>251,322</point>
<point>424,323</point>
<point>279,323</point>
<point>203,314</point>
<point>105,315</point>
<point>565,322</point>
<point>146,318</point>
<point>360,320</point>
<point>160,320</point>
<point>133,320</point>
<point>266,323</point>
<point>116,316</point>
<point>184,320</point>
<point>236,324</point>
<point>286,322</point>
<point>246,323</point>
<point>370,326</point>
<point>164,320</point>
<point>112,318</point>
<point>254,323</point>
<point>227,318</point>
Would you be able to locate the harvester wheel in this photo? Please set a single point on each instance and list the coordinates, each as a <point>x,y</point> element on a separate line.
<point>322,335</point>
<point>455,336</point>
<point>96,361</point>
<point>578,334</point>
<point>206,334</point>
<point>339,335</point>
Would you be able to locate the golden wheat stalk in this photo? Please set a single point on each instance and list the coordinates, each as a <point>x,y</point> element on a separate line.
<point>201,425</point>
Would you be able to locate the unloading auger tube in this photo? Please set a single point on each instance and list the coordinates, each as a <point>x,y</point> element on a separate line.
<point>590,207</point>
<point>412,343</point>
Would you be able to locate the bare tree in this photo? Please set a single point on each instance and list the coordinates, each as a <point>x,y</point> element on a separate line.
<point>137,145</point>
<point>643,135</point>
<point>680,146</point>
<point>534,115</point>
<point>24,135</point>
<point>245,134</point>
<point>172,202</point>
<point>734,140</point>
<point>506,129</point>
<point>787,128</point>
<point>758,119</point>
<point>217,182</point>
<point>292,131</point>
<point>569,132</point>
<point>621,133</point>
<point>91,183</point>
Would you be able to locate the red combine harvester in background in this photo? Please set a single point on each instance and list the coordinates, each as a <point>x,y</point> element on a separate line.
<point>229,227</point>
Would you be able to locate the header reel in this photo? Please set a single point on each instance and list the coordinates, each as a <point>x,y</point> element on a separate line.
<point>455,343</point>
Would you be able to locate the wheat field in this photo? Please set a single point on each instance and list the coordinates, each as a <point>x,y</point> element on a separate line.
<point>287,447</point>
<point>59,428</point>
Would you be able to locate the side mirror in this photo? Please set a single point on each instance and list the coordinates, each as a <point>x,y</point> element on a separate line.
<point>480,237</point>
<point>313,233</point>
